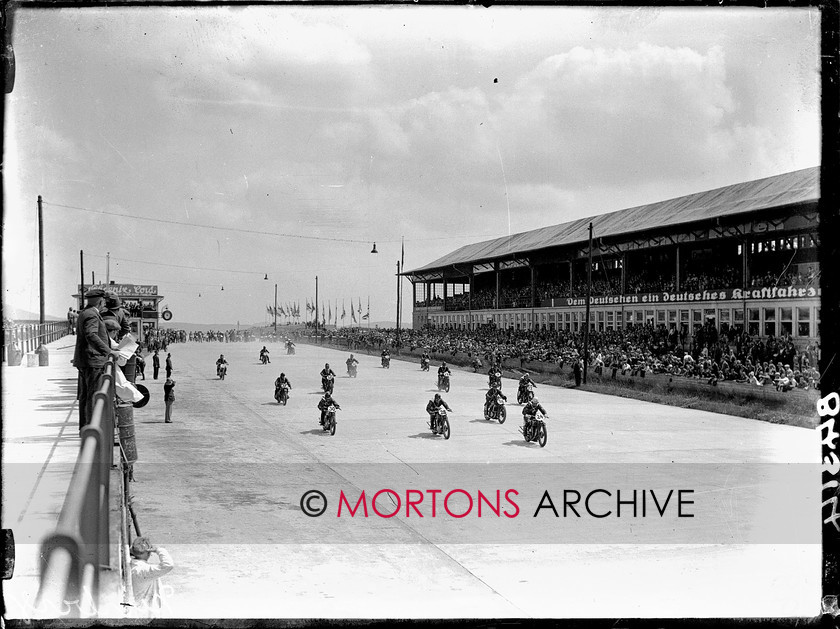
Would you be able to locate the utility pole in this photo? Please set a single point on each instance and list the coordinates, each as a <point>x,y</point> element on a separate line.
<point>588,299</point>
<point>82,280</point>
<point>41,258</point>
<point>275,309</point>
<point>316,303</point>
<point>107,268</point>
<point>398,303</point>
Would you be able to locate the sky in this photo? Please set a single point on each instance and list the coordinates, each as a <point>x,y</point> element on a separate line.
<point>208,147</point>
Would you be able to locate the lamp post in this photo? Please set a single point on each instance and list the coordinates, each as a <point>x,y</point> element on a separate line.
<point>588,299</point>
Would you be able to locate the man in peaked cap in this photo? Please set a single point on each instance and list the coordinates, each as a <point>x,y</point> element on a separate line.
<point>92,351</point>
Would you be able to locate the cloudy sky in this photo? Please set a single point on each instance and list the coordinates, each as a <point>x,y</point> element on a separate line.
<point>207,147</point>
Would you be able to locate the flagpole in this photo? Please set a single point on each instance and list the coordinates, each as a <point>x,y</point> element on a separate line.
<point>275,310</point>
<point>316,303</point>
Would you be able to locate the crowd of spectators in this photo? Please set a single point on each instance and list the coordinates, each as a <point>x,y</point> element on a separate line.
<point>711,354</point>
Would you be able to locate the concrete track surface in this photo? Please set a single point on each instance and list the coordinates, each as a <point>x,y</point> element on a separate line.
<point>220,488</point>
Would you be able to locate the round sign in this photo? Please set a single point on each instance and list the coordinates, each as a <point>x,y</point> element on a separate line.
<point>166,315</point>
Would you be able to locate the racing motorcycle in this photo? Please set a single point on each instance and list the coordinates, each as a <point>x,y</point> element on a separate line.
<point>386,362</point>
<point>443,382</point>
<point>263,358</point>
<point>281,394</point>
<point>351,370</point>
<point>525,394</point>
<point>329,420</point>
<point>290,349</point>
<point>222,371</point>
<point>327,383</point>
<point>495,380</point>
<point>496,410</point>
<point>424,364</point>
<point>440,423</point>
<point>535,429</point>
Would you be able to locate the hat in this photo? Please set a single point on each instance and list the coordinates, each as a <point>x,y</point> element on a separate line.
<point>112,324</point>
<point>112,298</point>
<point>94,292</point>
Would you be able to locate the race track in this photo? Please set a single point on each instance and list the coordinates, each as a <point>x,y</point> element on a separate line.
<point>221,487</point>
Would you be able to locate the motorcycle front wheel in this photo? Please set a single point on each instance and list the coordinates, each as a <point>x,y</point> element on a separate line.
<point>447,387</point>
<point>332,426</point>
<point>542,435</point>
<point>502,415</point>
<point>445,429</point>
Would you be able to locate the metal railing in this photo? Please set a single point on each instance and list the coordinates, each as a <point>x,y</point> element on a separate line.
<point>72,556</point>
<point>27,337</point>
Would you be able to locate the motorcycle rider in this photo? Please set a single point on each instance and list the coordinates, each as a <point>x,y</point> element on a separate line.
<point>221,361</point>
<point>476,364</point>
<point>529,411</point>
<point>326,371</point>
<point>324,405</point>
<point>386,356</point>
<point>289,345</point>
<point>425,359</point>
<point>432,409</point>
<point>490,399</point>
<point>443,370</point>
<point>351,362</point>
<point>264,353</point>
<point>282,380</point>
<point>495,374</point>
<point>524,381</point>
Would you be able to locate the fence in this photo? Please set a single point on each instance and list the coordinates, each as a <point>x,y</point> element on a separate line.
<point>72,556</point>
<point>28,337</point>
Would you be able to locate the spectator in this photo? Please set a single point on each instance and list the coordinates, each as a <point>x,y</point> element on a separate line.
<point>145,576</point>
<point>168,398</point>
<point>92,351</point>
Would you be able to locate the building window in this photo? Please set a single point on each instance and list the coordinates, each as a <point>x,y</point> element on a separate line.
<point>769,322</point>
<point>672,317</point>
<point>803,318</point>
<point>754,324</point>
<point>640,317</point>
<point>660,316</point>
<point>610,320</point>
<point>786,321</point>
<point>739,320</point>
<point>724,316</point>
<point>697,317</point>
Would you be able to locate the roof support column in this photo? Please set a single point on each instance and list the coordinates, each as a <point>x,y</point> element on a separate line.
<point>533,286</point>
<point>571,280</point>
<point>498,285</point>
<point>745,266</point>
<point>623,272</point>
<point>677,287</point>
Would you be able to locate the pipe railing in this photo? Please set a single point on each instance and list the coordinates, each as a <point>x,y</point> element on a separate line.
<point>73,555</point>
<point>28,337</point>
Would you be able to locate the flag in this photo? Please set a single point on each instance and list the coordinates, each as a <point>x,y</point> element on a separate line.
<point>268,309</point>
<point>343,312</point>
<point>360,305</point>
<point>352,313</point>
<point>367,314</point>
<point>323,317</point>
<point>329,318</point>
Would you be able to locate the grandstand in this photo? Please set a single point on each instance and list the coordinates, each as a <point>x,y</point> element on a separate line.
<point>741,258</point>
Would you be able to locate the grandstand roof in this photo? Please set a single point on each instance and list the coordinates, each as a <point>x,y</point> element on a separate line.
<point>800,186</point>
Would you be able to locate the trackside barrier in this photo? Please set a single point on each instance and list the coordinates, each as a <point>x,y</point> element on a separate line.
<point>23,339</point>
<point>73,555</point>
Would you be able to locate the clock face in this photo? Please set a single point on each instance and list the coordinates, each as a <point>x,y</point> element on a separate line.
<point>166,315</point>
